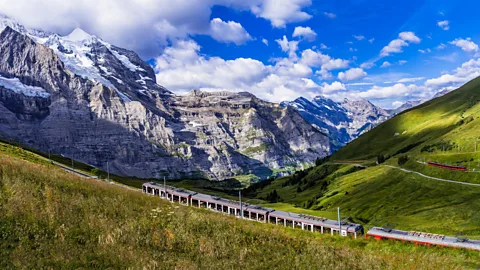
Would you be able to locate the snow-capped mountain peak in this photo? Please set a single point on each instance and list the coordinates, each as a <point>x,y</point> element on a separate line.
<point>342,121</point>
<point>92,58</point>
<point>79,35</point>
<point>33,33</point>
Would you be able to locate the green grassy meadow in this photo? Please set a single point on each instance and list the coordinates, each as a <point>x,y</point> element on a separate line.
<point>52,219</point>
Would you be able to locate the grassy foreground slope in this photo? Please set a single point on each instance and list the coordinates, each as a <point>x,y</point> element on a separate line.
<point>51,219</point>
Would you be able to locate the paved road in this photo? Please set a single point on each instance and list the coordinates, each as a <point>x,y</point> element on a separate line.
<point>433,178</point>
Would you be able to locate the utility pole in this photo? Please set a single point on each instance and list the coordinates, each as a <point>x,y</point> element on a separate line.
<point>165,187</point>
<point>241,206</point>
<point>339,222</point>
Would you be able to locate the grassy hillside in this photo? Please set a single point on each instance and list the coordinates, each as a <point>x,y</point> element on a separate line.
<point>221,188</point>
<point>51,219</point>
<point>447,125</point>
<point>380,196</point>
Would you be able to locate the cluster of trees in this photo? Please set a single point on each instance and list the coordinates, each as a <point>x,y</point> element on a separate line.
<point>295,178</point>
<point>250,190</point>
<point>320,161</point>
<point>273,197</point>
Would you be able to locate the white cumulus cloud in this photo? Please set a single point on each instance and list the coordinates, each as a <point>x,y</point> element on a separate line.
<point>182,67</point>
<point>352,74</point>
<point>228,32</point>
<point>279,13</point>
<point>466,72</point>
<point>445,25</point>
<point>385,64</point>
<point>333,87</point>
<point>288,46</point>
<point>396,45</point>
<point>409,36</point>
<point>467,45</point>
<point>304,32</point>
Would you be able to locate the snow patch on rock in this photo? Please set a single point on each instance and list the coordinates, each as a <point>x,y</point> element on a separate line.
<point>18,87</point>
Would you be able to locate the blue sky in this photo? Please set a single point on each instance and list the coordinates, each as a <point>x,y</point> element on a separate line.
<point>385,51</point>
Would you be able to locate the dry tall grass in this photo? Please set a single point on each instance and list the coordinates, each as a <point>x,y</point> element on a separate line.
<point>51,219</point>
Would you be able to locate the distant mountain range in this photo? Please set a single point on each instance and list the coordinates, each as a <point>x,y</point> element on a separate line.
<point>341,121</point>
<point>405,106</point>
<point>345,121</point>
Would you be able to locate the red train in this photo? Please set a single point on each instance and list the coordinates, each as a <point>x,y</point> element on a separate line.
<point>447,167</point>
<point>421,238</point>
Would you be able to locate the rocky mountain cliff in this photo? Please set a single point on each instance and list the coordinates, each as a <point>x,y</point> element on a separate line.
<point>341,121</point>
<point>79,96</point>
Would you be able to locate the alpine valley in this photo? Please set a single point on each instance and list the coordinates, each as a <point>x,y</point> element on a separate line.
<point>86,99</point>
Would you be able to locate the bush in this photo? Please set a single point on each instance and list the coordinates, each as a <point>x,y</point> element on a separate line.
<point>380,159</point>
<point>402,160</point>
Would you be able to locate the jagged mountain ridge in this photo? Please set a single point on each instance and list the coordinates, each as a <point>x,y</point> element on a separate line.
<point>341,121</point>
<point>405,106</point>
<point>78,95</point>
